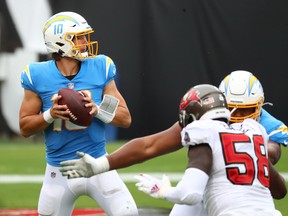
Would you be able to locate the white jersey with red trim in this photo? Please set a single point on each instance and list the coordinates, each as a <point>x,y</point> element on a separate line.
<point>239,179</point>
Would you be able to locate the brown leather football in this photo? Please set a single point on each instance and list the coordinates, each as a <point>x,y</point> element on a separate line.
<point>75,103</point>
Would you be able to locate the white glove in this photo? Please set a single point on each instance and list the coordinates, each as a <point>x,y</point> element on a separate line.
<point>86,166</point>
<point>153,186</point>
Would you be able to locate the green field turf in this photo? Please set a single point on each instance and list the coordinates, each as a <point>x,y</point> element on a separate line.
<point>28,157</point>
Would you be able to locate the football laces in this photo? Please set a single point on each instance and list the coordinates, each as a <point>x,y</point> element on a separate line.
<point>73,117</point>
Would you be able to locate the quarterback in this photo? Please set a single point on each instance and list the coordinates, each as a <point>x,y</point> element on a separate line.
<point>75,65</point>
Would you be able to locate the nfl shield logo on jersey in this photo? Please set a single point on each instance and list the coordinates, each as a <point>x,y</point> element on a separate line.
<point>186,138</point>
<point>71,85</point>
<point>53,174</point>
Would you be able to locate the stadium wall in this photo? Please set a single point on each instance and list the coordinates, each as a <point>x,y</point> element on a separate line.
<point>163,47</point>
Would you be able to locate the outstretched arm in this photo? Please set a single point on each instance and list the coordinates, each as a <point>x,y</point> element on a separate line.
<point>145,148</point>
<point>133,152</point>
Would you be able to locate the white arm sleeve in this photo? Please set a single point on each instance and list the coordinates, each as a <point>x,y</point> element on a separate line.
<point>190,189</point>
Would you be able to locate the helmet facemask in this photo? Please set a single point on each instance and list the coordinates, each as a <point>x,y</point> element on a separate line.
<point>91,47</point>
<point>255,114</point>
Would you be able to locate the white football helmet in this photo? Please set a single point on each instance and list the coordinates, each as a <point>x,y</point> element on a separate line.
<point>243,90</point>
<point>59,32</point>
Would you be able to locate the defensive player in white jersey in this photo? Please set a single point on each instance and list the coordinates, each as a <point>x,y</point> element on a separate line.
<point>75,65</point>
<point>245,98</point>
<point>228,165</point>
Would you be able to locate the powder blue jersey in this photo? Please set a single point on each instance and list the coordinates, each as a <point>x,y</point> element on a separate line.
<point>62,138</point>
<point>276,129</point>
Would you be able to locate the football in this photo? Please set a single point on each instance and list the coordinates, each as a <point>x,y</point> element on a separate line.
<point>75,103</point>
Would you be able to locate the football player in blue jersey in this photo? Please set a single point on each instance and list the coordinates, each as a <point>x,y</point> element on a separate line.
<point>245,98</point>
<point>75,65</point>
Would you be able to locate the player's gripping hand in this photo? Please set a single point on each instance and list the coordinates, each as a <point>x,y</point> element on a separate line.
<point>86,166</point>
<point>153,186</point>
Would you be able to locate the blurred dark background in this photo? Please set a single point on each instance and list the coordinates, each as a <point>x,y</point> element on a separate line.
<point>163,47</point>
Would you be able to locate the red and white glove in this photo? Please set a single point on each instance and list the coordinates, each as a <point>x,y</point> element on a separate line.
<point>153,186</point>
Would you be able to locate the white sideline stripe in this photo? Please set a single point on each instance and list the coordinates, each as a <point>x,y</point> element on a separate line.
<point>127,177</point>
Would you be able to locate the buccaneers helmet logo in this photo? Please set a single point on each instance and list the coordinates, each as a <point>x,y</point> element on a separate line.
<point>192,95</point>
